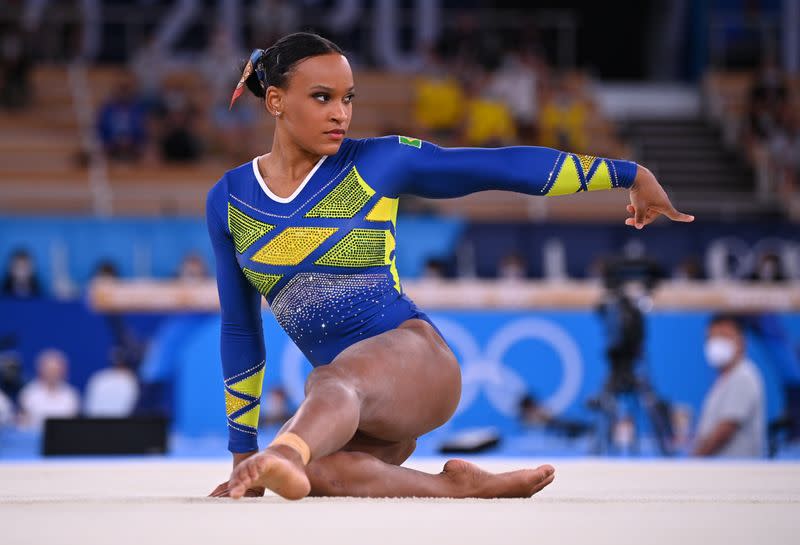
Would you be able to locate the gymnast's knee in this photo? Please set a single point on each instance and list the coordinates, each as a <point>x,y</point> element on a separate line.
<point>330,377</point>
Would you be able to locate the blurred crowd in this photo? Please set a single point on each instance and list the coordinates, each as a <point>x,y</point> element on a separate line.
<point>771,133</point>
<point>111,392</point>
<point>156,115</point>
<point>767,267</point>
<point>21,279</point>
<point>118,390</point>
<point>466,92</point>
<point>478,89</point>
<point>114,391</point>
<point>471,88</point>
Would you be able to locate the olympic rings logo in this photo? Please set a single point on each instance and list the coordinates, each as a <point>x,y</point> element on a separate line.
<point>481,370</point>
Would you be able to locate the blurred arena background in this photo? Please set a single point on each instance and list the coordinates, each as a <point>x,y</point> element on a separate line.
<point>115,123</point>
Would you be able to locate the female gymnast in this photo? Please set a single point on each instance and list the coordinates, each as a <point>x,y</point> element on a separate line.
<point>310,226</point>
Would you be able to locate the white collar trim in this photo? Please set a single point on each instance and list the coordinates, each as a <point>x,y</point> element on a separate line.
<point>297,191</point>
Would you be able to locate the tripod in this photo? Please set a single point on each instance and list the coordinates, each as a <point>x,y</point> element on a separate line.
<point>627,397</point>
<point>622,404</point>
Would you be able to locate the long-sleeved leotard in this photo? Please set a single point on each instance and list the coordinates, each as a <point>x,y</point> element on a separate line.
<point>324,258</point>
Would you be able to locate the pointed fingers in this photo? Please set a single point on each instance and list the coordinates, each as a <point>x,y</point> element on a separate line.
<point>678,216</point>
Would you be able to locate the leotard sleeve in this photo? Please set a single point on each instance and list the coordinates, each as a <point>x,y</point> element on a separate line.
<point>418,167</point>
<point>241,338</point>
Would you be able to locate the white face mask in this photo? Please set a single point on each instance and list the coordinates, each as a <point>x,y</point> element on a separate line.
<point>720,351</point>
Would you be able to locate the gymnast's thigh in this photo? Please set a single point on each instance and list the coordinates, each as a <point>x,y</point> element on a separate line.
<point>408,380</point>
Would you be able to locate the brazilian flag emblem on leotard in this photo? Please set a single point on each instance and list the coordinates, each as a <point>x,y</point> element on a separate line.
<point>408,141</point>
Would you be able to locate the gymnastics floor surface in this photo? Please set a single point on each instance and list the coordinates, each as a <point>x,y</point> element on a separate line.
<point>152,501</point>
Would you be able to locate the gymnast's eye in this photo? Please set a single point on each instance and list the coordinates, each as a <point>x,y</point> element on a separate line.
<point>321,97</point>
<point>349,98</point>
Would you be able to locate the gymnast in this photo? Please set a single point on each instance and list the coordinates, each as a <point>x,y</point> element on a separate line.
<point>310,226</point>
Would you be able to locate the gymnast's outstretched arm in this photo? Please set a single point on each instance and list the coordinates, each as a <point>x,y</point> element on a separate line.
<point>421,168</point>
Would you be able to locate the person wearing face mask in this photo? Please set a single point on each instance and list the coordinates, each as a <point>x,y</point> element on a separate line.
<point>732,421</point>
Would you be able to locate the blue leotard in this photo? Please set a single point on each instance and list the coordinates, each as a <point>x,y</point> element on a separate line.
<point>324,258</point>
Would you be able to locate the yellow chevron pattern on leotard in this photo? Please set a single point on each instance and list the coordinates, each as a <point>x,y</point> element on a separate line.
<point>384,210</point>
<point>244,229</point>
<point>263,282</point>
<point>345,200</point>
<point>576,172</point>
<point>292,245</point>
<point>360,248</point>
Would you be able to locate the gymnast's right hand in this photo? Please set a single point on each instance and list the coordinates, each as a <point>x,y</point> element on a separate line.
<point>649,200</point>
<point>221,491</point>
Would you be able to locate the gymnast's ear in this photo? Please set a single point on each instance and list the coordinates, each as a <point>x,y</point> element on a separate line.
<point>274,100</point>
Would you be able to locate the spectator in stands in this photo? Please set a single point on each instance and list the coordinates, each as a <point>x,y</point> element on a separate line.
<point>439,100</point>
<point>20,279</point>
<point>48,395</point>
<point>112,392</point>
<point>488,121</point>
<point>192,268</point>
<point>122,123</point>
<point>783,149</point>
<point>515,83</point>
<point>766,102</point>
<point>233,128</point>
<point>565,115</point>
<point>512,267</point>
<point>769,268</point>
<point>176,126</point>
<point>732,422</point>
<point>105,269</point>
<point>15,69</point>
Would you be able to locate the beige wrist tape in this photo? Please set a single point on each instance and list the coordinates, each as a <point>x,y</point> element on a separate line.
<point>295,442</point>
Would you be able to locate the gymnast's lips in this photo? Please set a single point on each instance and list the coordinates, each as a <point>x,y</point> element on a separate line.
<point>335,134</point>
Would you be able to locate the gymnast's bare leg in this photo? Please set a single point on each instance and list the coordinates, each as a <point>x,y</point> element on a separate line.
<point>362,474</point>
<point>391,388</point>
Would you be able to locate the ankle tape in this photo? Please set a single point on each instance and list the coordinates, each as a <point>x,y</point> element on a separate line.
<point>294,442</point>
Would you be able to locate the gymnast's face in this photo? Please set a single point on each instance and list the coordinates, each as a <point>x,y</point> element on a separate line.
<point>316,105</point>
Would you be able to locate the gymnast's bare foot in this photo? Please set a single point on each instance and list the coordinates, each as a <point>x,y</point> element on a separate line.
<point>278,468</point>
<point>470,481</point>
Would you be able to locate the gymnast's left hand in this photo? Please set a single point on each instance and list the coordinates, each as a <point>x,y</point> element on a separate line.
<point>222,490</point>
<point>648,201</point>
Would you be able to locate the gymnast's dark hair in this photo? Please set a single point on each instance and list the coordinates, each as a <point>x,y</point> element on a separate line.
<point>275,63</point>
